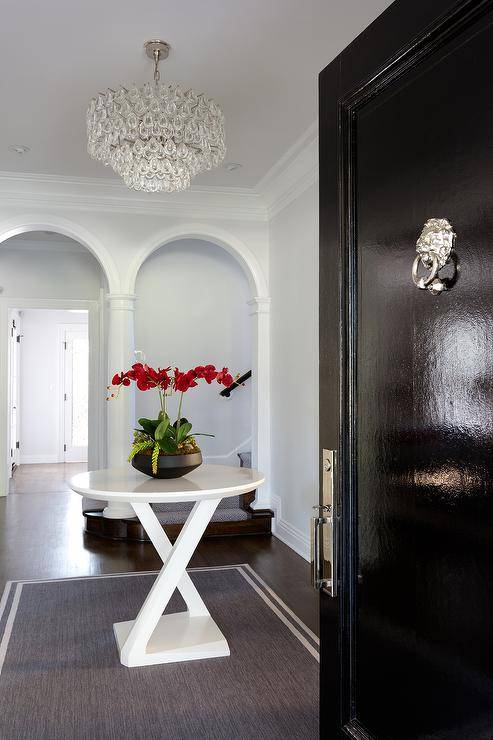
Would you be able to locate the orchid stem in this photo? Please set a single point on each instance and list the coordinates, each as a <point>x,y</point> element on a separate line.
<point>162,401</point>
<point>179,410</point>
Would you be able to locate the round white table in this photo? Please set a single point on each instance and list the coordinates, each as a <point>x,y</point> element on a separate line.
<point>152,637</point>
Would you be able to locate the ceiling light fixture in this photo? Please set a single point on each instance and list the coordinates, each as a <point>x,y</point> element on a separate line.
<point>157,137</point>
<point>19,148</point>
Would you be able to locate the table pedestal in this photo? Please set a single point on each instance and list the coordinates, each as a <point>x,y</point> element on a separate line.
<point>156,638</point>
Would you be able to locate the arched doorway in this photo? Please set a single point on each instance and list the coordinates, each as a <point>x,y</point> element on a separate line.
<point>258,308</point>
<point>192,309</point>
<point>54,276</point>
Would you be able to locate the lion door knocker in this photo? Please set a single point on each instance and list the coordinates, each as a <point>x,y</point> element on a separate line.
<point>435,248</point>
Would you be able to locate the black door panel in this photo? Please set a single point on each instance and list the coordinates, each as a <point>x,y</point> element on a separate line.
<point>415,616</point>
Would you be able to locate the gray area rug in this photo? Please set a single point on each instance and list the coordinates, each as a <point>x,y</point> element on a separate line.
<point>61,677</point>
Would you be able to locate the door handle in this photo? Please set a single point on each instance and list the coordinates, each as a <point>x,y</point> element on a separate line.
<point>323,532</point>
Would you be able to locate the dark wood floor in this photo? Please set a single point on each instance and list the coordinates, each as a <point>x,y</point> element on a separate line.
<point>41,536</point>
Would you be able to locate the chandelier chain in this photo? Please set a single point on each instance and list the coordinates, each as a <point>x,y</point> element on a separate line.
<point>157,75</point>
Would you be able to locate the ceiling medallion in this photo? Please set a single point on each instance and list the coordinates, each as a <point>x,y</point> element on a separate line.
<point>159,136</point>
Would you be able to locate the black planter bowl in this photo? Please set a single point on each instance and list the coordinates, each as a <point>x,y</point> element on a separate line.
<point>168,466</point>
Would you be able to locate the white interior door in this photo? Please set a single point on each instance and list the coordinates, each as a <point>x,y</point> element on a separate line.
<point>75,388</point>
<point>14,338</point>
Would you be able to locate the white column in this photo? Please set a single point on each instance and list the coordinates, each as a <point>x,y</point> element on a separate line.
<point>260,313</point>
<point>121,411</point>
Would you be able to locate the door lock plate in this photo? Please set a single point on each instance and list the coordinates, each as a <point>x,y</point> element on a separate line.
<point>323,534</point>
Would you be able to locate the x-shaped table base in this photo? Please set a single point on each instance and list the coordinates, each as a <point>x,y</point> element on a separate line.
<point>152,637</point>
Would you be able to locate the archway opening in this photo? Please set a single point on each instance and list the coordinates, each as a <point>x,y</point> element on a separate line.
<point>192,309</point>
<point>50,297</point>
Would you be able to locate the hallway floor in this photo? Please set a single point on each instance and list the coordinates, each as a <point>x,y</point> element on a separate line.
<point>41,536</point>
<point>48,478</point>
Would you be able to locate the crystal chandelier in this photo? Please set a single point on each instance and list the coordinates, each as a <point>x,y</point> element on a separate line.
<point>157,137</point>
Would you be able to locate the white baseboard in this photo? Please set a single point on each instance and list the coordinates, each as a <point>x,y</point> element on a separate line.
<point>288,533</point>
<point>231,457</point>
<point>38,459</point>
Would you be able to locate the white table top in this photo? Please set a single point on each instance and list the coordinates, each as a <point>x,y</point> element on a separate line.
<point>128,484</point>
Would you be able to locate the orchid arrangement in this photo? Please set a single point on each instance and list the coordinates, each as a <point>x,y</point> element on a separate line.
<point>161,436</point>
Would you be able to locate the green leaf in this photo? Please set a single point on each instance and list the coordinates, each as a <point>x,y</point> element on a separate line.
<point>147,426</point>
<point>155,456</point>
<point>202,434</point>
<point>139,447</point>
<point>160,432</point>
<point>183,431</point>
<point>168,445</point>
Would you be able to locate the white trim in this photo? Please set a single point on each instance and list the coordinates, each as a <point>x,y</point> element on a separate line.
<point>39,459</point>
<point>292,174</point>
<point>10,624</point>
<point>312,650</point>
<point>97,449</point>
<point>5,597</point>
<point>287,533</point>
<point>291,613</point>
<point>112,196</point>
<point>206,232</point>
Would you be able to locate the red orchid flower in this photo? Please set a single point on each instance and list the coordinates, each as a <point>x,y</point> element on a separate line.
<point>147,377</point>
<point>183,381</point>
<point>208,372</point>
<point>224,377</point>
<point>120,379</point>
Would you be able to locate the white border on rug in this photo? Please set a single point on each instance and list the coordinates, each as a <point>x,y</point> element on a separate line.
<point>240,567</point>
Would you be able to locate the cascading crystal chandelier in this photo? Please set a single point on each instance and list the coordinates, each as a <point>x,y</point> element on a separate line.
<point>157,137</point>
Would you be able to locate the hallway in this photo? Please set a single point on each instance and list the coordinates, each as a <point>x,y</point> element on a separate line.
<point>46,478</point>
<point>41,536</point>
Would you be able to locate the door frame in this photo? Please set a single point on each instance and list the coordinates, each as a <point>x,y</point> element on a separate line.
<point>403,36</point>
<point>14,344</point>
<point>97,416</point>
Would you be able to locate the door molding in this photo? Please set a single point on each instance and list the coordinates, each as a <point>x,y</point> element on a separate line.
<point>97,423</point>
<point>338,245</point>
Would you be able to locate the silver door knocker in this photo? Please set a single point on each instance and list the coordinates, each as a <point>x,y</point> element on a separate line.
<point>435,248</point>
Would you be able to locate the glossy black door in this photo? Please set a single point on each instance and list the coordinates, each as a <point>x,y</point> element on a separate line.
<point>410,126</point>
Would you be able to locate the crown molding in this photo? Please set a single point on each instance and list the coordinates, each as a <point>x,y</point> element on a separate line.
<point>82,193</point>
<point>292,174</point>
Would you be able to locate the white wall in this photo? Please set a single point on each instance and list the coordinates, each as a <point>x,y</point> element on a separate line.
<point>294,367</point>
<point>40,383</point>
<point>44,273</point>
<point>192,310</point>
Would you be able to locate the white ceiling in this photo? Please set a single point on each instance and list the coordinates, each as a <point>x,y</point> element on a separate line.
<point>258,58</point>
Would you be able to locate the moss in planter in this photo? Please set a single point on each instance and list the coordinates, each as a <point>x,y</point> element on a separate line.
<point>185,448</point>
